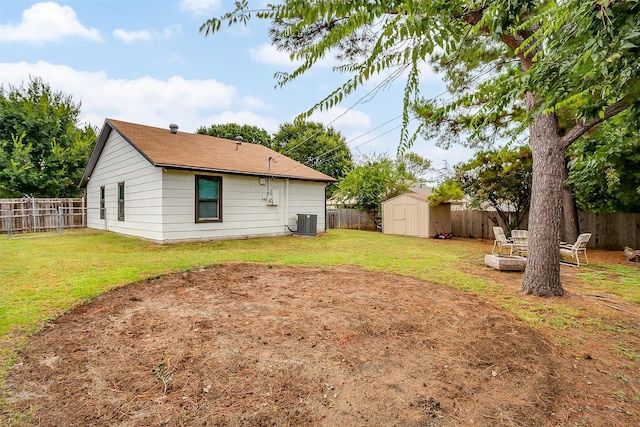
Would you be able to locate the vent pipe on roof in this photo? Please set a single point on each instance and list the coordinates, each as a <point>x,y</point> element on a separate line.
<point>239,140</point>
<point>174,128</point>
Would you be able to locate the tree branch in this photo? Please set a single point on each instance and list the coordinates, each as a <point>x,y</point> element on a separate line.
<point>513,41</point>
<point>581,128</point>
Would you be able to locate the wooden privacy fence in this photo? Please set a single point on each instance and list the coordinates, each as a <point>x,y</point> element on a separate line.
<point>33,215</point>
<point>608,230</point>
<point>349,218</point>
<point>478,224</point>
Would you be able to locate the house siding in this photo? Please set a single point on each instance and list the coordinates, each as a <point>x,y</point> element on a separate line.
<point>245,212</point>
<point>120,162</point>
<point>307,198</point>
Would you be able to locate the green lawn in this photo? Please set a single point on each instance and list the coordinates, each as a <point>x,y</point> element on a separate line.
<point>42,276</point>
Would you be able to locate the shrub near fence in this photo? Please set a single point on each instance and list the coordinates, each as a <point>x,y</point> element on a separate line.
<point>609,230</point>
<point>33,215</point>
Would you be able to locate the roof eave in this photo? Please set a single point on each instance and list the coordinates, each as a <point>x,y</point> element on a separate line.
<point>237,172</point>
<point>95,154</point>
<point>108,127</point>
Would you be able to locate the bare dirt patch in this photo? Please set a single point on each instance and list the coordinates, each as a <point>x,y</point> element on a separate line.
<point>259,345</point>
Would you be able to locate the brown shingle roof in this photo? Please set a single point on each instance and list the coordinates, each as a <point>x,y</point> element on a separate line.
<point>202,153</point>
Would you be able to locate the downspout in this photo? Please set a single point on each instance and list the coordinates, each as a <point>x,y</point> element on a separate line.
<point>326,185</point>
<point>286,204</point>
<point>84,208</point>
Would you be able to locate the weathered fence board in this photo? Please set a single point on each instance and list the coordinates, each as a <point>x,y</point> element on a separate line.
<point>32,215</point>
<point>349,218</point>
<point>612,231</point>
<point>609,230</point>
<point>478,224</point>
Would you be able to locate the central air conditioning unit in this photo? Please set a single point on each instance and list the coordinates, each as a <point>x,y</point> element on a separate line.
<point>307,224</point>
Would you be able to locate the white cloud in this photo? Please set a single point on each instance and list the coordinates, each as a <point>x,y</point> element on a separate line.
<point>145,35</point>
<point>199,7</point>
<point>144,100</point>
<point>176,57</point>
<point>342,118</point>
<point>47,22</point>
<point>254,103</point>
<point>268,54</point>
<point>131,36</point>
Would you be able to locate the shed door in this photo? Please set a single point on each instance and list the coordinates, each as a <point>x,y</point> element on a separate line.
<point>399,220</point>
<point>412,220</point>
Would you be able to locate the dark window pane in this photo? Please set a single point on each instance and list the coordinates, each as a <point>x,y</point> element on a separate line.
<point>208,210</point>
<point>208,199</point>
<point>121,201</point>
<point>207,189</point>
<point>101,202</point>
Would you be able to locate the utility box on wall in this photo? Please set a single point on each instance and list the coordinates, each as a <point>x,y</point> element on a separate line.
<point>307,224</point>
<point>273,198</point>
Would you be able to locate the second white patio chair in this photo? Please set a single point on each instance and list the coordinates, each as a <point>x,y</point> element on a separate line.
<point>519,239</point>
<point>579,247</point>
<point>501,241</point>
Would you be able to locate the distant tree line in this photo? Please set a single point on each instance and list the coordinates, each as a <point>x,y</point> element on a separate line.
<point>44,150</point>
<point>43,146</point>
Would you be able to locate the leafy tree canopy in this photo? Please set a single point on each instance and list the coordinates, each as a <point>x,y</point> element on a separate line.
<point>604,168</point>
<point>249,133</point>
<point>446,191</point>
<point>43,148</point>
<point>579,56</point>
<point>375,179</point>
<point>414,166</point>
<point>323,149</point>
<point>500,179</point>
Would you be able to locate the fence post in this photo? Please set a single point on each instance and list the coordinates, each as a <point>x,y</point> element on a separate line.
<point>9,223</point>
<point>32,215</point>
<point>59,220</point>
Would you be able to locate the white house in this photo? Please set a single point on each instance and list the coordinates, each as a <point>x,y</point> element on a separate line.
<point>170,186</point>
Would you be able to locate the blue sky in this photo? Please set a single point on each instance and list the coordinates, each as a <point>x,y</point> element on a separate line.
<point>146,62</point>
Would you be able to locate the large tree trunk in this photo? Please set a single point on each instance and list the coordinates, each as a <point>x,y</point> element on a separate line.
<point>569,209</point>
<point>542,274</point>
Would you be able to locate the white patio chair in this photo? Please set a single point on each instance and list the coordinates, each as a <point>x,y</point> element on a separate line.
<point>574,251</point>
<point>519,239</point>
<point>501,241</point>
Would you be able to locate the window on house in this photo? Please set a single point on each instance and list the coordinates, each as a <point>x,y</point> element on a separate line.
<point>121,201</point>
<point>101,202</point>
<point>208,198</point>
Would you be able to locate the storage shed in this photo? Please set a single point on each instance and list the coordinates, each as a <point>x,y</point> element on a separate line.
<point>409,214</point>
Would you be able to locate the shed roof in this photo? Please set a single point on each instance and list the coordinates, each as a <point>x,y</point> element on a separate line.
<point>188,151</point>
<point>420,197</point>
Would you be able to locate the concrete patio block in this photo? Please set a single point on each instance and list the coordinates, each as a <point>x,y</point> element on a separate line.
<point>505,262</point>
